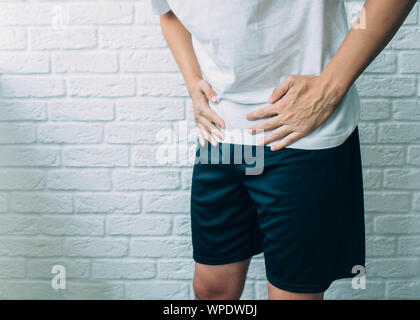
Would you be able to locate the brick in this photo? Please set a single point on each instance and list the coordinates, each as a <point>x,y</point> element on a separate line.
<point>406,38</point>
<point>129,225</point>
<point>24,289</point>
<point>79,180</point>
<point>70,133</point>
<point>146,180</point>
<point>135,133</point>
<point>378,156</point>
<point>399,133</point>
<point>386,62</point>
<point>16,133</point>
<point>13,38</point>
<point>102,87</point>
<point>387,201</point>
<point>375,109</point>
<point>123,269</point>
<point>108,156</point>
<point>23,110</point>
<point>393,267</point>
<point>32,87</point>
<point>372,178</point>
<point>367,133</point>
<point>81,110</point>
<point>16,156</point>
<point>37,202</point>
<point>157,290</point>
<point>379,86</point>
<point>160,248</point>
<point>402,178</point>
<point>409,62</point>
<point>21,179</point>
<point>104,13</point>
<point>26,14</point>
<point>380,246</point>
<point>406,109</point>
<point>19,225</point>
<point>94,291</point>
<point>179,269</point>
<point>30,247</point>
<point>95,247</point>
<point>409,246</point>
<point>343,290</point>
<point>413,156</point>
<point>12,268</point>
<point>182,226</point>
<point>41,268</point>
<point>169,85</point>
<point>72,226</point>
<point>148,61</point>
<point>106,203</point>
<point>79,62</point>
<point>405,289</point>
<point>143,37</point>
<point>65,38</point>
<point>166,202</point>
<point>150,110</point>
<point>397,224</point>
<point>22,63</point>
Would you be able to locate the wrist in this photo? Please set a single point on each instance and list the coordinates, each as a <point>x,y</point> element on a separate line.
<point>334,85</point>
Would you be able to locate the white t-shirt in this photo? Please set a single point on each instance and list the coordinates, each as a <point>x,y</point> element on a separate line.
<point>247,48</point>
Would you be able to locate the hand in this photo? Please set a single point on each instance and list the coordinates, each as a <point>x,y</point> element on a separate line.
<point>299,105</point>
<point>205,118</point>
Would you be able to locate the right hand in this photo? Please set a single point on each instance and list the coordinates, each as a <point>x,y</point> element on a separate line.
<point>205,118</point>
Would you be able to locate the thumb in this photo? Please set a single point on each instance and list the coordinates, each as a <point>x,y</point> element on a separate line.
<point>281,90</point>
<point>208,91</point>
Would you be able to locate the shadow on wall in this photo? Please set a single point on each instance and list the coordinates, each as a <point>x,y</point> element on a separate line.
<point>37,224</point>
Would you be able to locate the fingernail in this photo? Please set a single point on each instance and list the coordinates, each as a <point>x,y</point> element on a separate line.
<point>250,130</point>
<point>214,99</point>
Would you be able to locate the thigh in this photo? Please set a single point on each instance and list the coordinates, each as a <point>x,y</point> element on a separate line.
<point>224,220</point>
<point>220,281</point>
<point>275,293</point>
<point>305,201</point>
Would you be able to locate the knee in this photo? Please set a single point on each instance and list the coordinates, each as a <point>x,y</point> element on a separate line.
<point>206,290</point>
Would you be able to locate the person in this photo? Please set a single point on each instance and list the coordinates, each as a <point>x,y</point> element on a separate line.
<point>277,77</point>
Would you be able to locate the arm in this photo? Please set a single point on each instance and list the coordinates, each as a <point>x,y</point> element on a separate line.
<point>362,46</point>
<point>300,104</point>
<point>180,43</point>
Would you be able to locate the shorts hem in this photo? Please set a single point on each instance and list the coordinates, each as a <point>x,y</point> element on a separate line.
<point>221,261</point>
<point>300,288</point>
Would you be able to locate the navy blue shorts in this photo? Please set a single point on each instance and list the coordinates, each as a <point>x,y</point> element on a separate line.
<point>303,208</point>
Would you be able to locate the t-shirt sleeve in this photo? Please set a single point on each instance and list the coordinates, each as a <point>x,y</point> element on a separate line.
<point>159,6</point>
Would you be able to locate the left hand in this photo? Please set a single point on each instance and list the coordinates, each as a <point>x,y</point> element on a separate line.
<point>299,105</point>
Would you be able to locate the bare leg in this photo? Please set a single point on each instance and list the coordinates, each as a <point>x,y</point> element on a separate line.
<point>220,282</point>
<point>275,293</point>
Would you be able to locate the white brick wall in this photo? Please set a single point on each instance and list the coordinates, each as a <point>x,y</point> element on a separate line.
<point>88,92</point>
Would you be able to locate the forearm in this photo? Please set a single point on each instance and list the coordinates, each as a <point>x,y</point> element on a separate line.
<point>180,43</point>
<point>361,46</point>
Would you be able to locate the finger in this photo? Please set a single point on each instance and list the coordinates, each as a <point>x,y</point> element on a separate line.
<point>269,124</point>
<point>288,140</point>
<point>202,134</point>
<point>201,138</point>
<point>282,89</point>
<point>275,135</point>
<point>213,141</point>
<point>264,112</point>
<point>208,91</point>
<point>213,117</point>
<point>212,129</point>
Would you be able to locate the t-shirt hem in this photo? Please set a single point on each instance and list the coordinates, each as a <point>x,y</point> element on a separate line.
<point>306,143</point>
